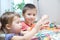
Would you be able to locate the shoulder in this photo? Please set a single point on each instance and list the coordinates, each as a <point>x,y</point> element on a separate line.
<point>24,26</point>
<point>8,36</point>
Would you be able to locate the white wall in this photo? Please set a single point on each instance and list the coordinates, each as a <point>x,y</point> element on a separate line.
<point>5,4</point>
<point>50,7</point>
<point>37,4</point>
<point>58,12</point>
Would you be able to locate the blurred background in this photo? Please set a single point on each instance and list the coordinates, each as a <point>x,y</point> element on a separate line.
<point>49,7</point>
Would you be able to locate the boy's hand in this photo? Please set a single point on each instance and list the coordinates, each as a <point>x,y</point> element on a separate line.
<point>43,19</point>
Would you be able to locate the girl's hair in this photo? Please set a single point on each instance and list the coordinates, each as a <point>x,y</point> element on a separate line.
<point>0,23</point>
<point>7,18</point>
<point>28,6</point>
<point>0,19</point>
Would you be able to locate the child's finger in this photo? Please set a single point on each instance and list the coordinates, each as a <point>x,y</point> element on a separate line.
<point>44,17</point>
<point>46,22</point>
<point>45,25</point>
<point>40,22</point>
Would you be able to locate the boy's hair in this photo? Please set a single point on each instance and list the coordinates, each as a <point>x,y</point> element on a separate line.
<point>28,6</point>
<point>7,18</point>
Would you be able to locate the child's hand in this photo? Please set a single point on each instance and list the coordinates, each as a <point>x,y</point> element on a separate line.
<point>43,19</point>
<point>45,22</point>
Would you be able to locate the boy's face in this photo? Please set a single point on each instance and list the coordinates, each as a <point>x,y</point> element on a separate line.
<point>30,15</point>
<point>16,24</point>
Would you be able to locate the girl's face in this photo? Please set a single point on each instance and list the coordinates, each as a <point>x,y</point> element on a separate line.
<point>16,25</point>
<point>30,15</point>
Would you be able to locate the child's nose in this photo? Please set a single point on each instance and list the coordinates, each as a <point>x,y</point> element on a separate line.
<point>32,16</point>
<point>20,24</point>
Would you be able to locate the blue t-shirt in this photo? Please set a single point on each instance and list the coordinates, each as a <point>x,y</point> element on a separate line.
<point>9,36</point>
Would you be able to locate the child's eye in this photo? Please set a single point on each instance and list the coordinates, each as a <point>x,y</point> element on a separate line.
<point>29,14</point>
<point>33,14</point>
<point>18,22</point>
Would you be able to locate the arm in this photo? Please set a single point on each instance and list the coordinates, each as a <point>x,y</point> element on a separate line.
<point>33,31</point>
<point>27,35</point>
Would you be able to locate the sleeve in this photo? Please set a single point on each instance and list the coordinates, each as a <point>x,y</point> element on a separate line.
<point>8,36</point>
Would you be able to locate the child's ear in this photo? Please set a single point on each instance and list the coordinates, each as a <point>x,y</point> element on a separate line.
<point>8,26</point>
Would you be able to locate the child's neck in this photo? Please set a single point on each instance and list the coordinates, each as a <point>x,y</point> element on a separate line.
<point>16,34</point>
<point>29,24</point>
